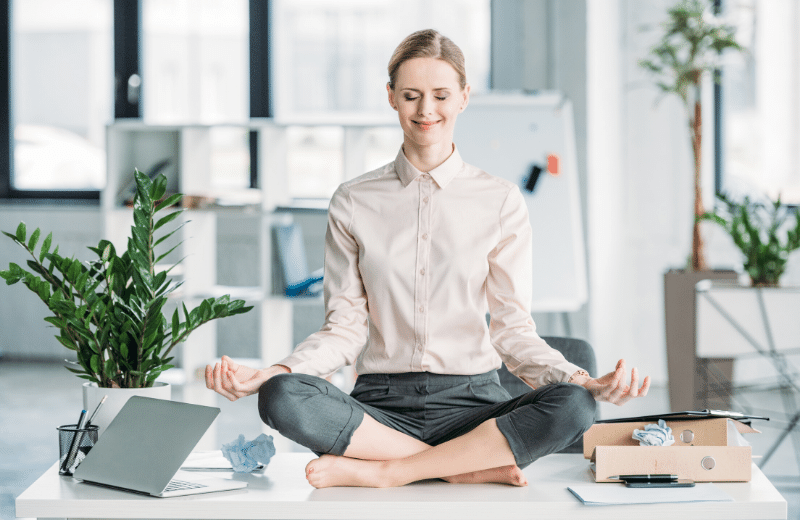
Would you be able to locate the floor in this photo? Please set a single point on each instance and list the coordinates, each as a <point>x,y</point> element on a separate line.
<point>35,398</point>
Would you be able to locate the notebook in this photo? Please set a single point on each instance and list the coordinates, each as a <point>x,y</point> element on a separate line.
<point>144,446</point>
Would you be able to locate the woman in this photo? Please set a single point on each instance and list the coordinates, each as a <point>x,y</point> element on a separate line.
<point>414,253</point>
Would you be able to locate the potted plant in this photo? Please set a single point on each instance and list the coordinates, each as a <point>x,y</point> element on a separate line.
<point>687,52</point>
<point>109,310</point>
<point>761,233</point>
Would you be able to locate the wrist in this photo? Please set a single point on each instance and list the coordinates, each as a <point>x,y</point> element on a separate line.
<point>580,377</point>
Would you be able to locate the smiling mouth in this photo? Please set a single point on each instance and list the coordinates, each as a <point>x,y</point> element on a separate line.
<point>426,125</point>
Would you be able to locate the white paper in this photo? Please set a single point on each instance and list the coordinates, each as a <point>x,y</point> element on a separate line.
<point>601,494</point>
<point>735,438</point>
<point>209,461</point>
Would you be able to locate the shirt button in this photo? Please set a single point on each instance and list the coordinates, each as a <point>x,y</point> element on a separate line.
<point>422,271</point>
<point>425,199</point>
<point>422,309</point>
<point>424,236</point>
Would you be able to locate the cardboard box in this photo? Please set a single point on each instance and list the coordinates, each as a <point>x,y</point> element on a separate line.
<point>705,450</point>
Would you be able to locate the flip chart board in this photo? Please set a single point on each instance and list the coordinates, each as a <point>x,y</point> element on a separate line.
<point>530,141</point>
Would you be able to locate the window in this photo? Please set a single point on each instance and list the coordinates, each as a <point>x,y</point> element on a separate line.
<point>195,61</point>
<point>332,55</point>
<point>62,93</point>
<point>761,102</point>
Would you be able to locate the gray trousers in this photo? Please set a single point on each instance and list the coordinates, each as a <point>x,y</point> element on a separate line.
<point>433,408</point>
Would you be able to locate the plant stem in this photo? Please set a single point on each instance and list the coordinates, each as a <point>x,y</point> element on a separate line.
<point>696,127</point>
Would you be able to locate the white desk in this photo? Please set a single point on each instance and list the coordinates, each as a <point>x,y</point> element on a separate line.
<point>283,493</point>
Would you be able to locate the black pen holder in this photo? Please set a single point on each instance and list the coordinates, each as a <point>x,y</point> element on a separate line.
<point>73,445</point>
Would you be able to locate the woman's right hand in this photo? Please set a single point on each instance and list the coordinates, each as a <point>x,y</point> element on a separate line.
<point>233,380</point>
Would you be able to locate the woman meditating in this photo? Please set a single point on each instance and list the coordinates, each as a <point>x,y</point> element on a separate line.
<point>416,252</point>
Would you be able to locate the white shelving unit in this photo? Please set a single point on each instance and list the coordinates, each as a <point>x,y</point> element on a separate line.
<point>187,148</point>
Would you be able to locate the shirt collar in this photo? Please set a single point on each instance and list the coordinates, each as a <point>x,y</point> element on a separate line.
<point>442,174</point>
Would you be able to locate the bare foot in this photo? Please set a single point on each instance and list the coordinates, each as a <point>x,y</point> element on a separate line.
<point>510,475</point>
<point>334,471</point>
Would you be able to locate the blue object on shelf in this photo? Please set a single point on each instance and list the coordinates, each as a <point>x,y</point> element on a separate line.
<point>297,280</point>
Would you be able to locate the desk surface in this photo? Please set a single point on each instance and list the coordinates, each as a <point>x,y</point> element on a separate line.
<point>282,492</point>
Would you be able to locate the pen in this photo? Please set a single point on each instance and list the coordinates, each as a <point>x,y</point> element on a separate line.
<point>648,477</point>
<point>76,442</point>
<point>103,400</point>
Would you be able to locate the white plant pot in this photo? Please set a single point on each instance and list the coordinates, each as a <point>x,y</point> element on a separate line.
<point>117,397</point>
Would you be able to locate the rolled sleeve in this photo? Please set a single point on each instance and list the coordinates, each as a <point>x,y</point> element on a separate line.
<point>344,333</point>
<point>509,286</point>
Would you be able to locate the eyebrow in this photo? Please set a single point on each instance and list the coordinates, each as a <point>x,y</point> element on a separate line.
<point>417,90</point>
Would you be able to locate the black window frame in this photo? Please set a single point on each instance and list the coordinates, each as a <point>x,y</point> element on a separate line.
<point>127,25</point>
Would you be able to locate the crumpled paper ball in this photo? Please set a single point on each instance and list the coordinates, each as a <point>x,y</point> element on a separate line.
<point>655,435</point>
<point>246,456</point>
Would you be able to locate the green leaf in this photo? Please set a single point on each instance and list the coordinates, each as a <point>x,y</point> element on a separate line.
<point>176,326</point>
<point>172,232</point>
<point>34,239</point>
<point>161,257</point>
<point>22,232</point>
<point>159,187</point>
<point>45,247</point>
<point>143,186</point>
<point>165,220</point>
<point>169,201</point>
<point>94,363</point>
<point>67,342</point>
<point>110,368</point>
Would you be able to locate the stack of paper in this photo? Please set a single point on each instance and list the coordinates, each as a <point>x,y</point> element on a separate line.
<point>615,494</point>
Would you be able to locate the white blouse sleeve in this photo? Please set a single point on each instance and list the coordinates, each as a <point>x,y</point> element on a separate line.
<point>344,333</point>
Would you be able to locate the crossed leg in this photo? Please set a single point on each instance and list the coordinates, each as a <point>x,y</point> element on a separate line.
<point>379,456</point>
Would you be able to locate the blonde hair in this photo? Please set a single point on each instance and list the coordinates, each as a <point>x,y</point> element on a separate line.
<point>428,43</point>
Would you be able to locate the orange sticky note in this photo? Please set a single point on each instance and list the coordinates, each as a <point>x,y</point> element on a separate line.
<point>552,164</point>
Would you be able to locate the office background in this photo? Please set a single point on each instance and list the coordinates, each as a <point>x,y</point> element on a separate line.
<point>327,59</point>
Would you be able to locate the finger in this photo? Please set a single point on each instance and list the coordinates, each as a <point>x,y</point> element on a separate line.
<point>218,384</point>
<point>234,385</point>
<point>217,377</point>
<point>229,363</point>
<point>634,382</point>
<point>209,377</point>
<point>645,387</point>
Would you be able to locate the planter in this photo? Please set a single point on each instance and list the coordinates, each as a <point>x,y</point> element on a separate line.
<point>683,365</point>
<point>117,397</point>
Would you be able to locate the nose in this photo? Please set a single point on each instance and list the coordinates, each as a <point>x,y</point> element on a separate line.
<point>425,105</point>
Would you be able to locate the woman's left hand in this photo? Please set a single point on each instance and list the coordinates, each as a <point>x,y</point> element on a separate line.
<point>612,387</point>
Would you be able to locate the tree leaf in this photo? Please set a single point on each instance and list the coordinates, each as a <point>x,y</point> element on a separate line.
<point>94,363</point>
<point>22,232</point>
<point>34,239</point>
<point>159,187</point>
<point>67,342</point>
<point>166,219</point>
<point>110,368</point>
<point>169,201</point>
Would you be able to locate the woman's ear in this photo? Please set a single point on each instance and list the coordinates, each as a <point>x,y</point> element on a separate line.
<point>465,100</point>
<point>391,96</point>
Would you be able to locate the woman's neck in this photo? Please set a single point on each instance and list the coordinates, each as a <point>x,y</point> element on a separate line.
<point>426,158</point>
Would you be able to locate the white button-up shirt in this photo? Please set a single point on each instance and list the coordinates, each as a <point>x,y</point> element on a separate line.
<point>413,261</point>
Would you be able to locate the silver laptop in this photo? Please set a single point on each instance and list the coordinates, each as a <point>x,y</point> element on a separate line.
<point>144,446</point>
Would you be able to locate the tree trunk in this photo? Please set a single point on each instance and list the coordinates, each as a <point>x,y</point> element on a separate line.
<point>696,123</point>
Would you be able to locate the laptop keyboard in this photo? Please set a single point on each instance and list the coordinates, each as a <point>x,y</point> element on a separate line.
<point>179,485</point>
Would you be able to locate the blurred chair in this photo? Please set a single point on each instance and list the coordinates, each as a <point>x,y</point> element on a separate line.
<point>576,351</point>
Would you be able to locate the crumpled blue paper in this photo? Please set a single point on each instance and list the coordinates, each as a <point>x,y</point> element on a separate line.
<point>246,456</point>
<point>655,435</point>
